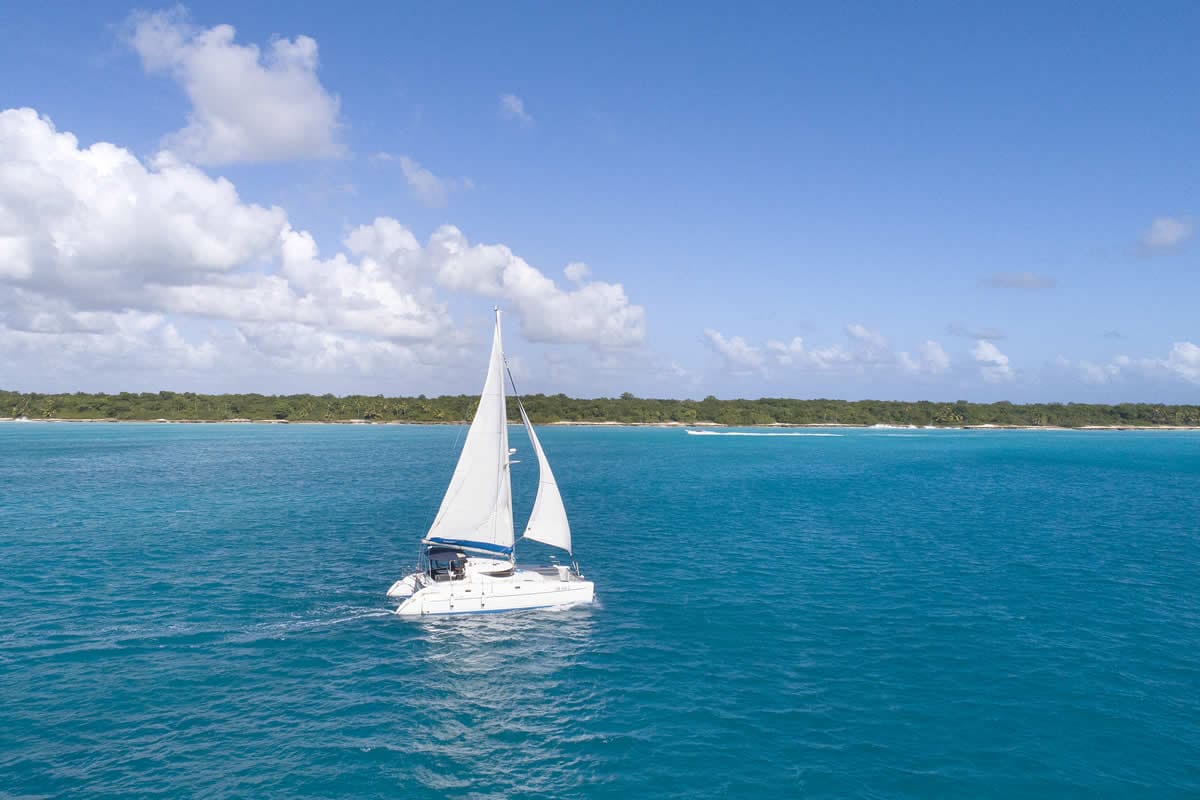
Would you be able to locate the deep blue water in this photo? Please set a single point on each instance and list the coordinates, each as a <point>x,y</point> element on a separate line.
<point>198,611</point>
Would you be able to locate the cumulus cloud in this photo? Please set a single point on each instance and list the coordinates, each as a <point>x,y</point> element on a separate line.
<point>1182,362</point>
<point>595,313</point>
<point>1099,373</point>
<point>577,271</point>
<point>1021,280</point>
<point>787,353</point>
<point>872,342</point>
<point>931,359</point>
<point>738,355</point>
<point>247,105</point>
<point>513,107</point>
<point>310,349</point>
<point>993,365</point>
<point>868,350</point>
<point>385,285</point>
<point>797,353</point>
<point>1166,233</point>
<point>103,342</point>
<point>97,226</point>
<point>93,240</point>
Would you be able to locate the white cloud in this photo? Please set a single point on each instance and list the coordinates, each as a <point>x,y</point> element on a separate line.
<point>513,107</point>
<point>577,271</point>
<point>872,344</point>
<point>317,350</point>
<point>96,226</point>
<point>935,357</point>
<point>797,353</point>
<point>869,350</point>
<point>93,240</point>
<point>993,365</point>
<point>388,289</point>
<point>1182,362</point>
<point>246,105</point>
<point>1097,373</point>
<point>930,360</point>
<point>98,343</point>
<point>596,313</point>
<point>429,188</point>
<point>1167,233</point>
<point>381,294</point>
<point>739,356</point>
<point>788,353</point>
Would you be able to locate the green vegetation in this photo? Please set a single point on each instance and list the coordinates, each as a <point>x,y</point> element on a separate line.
<point>559,407</point>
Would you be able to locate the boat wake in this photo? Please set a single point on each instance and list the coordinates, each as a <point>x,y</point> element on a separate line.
<point>754,433</point>
<point>281,629</point>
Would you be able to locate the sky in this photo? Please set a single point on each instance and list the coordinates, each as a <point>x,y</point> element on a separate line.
<point>890,201</point>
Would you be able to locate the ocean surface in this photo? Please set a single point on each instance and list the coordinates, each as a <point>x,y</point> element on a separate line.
<point>199,611</point>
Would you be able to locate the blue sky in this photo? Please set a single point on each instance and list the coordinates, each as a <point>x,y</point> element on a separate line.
<point>938,201</point>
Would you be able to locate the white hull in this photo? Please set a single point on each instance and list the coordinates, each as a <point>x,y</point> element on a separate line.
<point>479,593</point>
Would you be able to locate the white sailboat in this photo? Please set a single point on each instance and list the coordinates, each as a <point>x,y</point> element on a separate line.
<point>467,563</point>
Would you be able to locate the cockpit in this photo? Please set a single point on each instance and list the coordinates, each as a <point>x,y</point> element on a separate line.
<point>446,564</point>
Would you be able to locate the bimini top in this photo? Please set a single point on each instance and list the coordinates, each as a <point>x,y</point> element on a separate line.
<point>445,554</point>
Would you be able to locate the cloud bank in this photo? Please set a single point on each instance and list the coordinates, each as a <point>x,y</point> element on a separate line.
<point>99,249</point>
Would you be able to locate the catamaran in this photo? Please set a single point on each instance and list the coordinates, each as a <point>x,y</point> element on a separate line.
<point>467,563</point>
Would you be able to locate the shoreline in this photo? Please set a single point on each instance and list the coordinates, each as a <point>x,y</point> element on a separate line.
<point>613,424</point>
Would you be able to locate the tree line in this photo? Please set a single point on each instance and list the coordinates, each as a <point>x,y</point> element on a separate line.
<point>559,408</point>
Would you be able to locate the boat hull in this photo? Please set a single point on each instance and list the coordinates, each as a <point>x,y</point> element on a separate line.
<point>481,594</point>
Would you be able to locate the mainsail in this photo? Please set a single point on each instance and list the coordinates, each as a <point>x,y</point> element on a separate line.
<point>476,512</point>
<point>548,520</point>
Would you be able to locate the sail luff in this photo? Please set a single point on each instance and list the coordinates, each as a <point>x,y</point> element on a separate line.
<point>477,507</point>
<point>548,521</point>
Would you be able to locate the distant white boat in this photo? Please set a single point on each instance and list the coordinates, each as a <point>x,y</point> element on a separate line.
<point>467,563</point>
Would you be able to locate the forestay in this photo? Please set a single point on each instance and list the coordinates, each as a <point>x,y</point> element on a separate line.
<point>476,512</point>
<point>548,520</point>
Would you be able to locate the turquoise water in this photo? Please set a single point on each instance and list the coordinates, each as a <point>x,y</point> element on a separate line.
<point>198,611</point>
